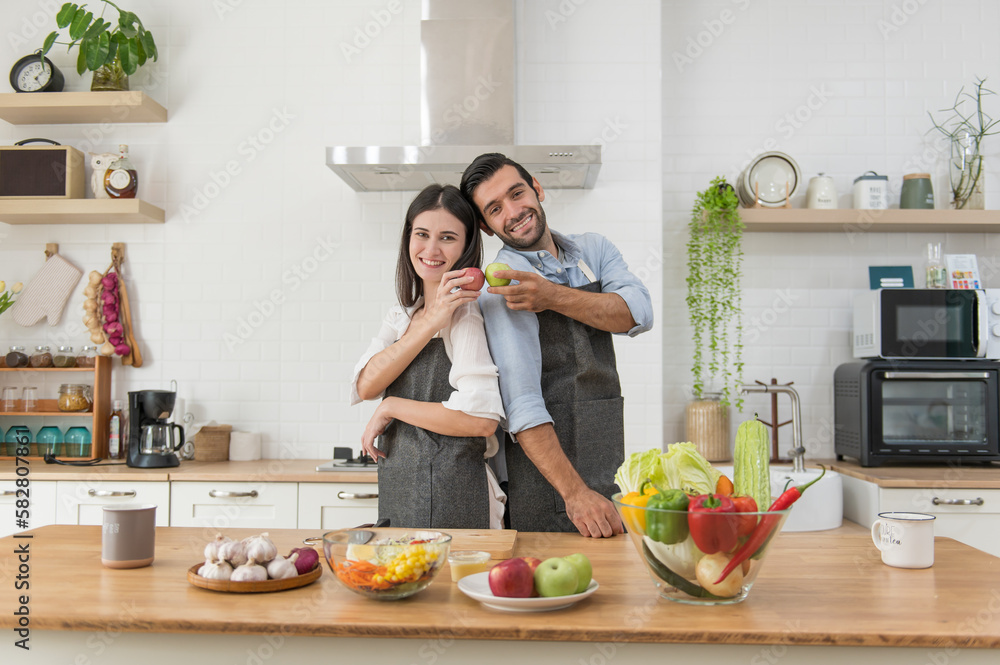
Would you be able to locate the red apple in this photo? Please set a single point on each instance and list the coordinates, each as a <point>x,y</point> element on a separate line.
<point>478,279</point>
<point>532,562</point>
<point>512,578</point>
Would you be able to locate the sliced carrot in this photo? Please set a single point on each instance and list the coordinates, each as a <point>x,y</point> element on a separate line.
<point>724,486</point>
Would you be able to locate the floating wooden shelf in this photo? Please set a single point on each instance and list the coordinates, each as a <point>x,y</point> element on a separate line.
<point>58,108</point>
<point>859,221</point>
<point>80,211</point>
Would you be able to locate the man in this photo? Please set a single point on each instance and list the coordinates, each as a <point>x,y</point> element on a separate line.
<point>550,337</point>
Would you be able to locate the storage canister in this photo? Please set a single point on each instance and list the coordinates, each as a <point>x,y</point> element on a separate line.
<point>871,191</point>
<point>707,427</point>
<point>917,192</point>
<point>77,442</point>
<point>49,439</point>
<point>74,397</point>
<point>42,357</point>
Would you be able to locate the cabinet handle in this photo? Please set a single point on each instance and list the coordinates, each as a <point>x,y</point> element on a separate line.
<point>8,492</point>
<point>978,501</point>
<point>110,493</point>
<point>356,495</point>
<point>225,494</point>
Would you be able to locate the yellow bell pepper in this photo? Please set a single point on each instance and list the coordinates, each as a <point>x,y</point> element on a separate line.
<point>635,518</point>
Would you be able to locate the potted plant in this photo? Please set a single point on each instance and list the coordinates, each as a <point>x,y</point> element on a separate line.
<point>714,292</point>
<point>966,130</point>
<point>112,50</point>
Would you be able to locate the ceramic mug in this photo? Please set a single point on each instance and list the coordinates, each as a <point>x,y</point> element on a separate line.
<point>128,535</point>
<point>906,540</point>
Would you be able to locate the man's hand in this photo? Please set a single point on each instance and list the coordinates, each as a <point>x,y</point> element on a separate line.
<point>532,292</point>
<point>593,515</point>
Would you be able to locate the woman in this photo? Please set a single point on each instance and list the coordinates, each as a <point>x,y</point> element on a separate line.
<point>430,363</point>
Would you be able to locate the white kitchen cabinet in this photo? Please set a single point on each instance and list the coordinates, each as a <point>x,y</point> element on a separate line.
<point>83,501</point>
<point>327,506</point>
<point>41,505</point>
<point>971,516</point>
<point>222,505</point>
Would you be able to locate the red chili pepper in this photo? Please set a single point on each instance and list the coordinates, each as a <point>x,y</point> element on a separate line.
<point>766,525</point>
<point>745,504</point>
<point>713,523</point>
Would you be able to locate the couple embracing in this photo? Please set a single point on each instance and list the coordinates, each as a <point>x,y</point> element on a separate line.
<point>452,365</point>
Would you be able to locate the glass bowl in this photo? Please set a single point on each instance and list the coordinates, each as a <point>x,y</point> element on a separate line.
<point>674,566</point>
<point>385,564</point>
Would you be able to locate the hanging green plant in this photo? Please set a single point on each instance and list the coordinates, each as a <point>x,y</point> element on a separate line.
<point>714,292</point>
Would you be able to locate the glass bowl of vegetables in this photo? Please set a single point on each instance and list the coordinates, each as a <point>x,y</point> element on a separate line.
<point>701,550</point>
<point>385,564</point>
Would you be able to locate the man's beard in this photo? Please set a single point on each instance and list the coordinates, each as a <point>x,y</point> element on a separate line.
<point>528,243</point>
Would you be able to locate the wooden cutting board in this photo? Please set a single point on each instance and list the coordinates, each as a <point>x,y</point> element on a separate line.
<point>498,542</point>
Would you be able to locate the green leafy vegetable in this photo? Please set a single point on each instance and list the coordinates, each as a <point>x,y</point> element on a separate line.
<point>637,468</point>
<point>687,469</point>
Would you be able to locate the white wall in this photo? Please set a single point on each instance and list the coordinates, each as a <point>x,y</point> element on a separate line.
<point>843,87</point>
<point>262,88</point>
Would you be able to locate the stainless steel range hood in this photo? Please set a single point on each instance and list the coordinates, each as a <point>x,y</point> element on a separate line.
<point>467,108</point>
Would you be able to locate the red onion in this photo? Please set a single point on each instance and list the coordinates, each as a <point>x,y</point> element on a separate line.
<point>123,349</point>
<point>109,298</point>
<point>307,560</point>
<point>109,281</point>
<point>110,314</point>
<point>116,339</point>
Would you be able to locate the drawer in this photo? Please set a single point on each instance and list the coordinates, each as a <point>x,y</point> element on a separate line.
<point>41,505</point>
<point>968,515</point>
<point>327,506</point>
<point>224,505</point>
<point>82,502</point>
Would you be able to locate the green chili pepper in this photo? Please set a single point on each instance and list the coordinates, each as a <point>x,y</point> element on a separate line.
<point>667,528</point>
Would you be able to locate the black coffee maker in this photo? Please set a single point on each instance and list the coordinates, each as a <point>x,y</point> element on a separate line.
<point>152,441</point>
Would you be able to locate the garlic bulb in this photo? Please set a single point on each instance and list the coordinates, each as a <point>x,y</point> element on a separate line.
<point>233,551</point>
<point>251,571</point>
<point>215,570</point>
<point>281,568</point>
<point>260,548</point>
<point>212,549</point>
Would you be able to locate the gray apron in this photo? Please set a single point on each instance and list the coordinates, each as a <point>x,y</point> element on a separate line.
<point>583,395</point>
<point>428,480</point>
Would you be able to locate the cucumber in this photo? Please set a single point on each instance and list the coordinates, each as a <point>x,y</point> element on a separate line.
<point>752,463</point>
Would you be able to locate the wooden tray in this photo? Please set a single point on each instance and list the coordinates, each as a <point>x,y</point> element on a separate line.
<point>253,587</point>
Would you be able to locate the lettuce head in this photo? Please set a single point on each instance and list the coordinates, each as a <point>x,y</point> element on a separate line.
<point>686,469</point>
<point>636,468</point>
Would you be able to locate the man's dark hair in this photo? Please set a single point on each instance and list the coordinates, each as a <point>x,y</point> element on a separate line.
<point>409,287</point>
<point>483,168</point>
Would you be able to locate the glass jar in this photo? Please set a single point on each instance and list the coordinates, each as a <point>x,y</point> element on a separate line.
<point>707,427</point>
<point>16,357</point>
<point>49,439</point>
<point>87,356</point>
<point>18,436</point>
<point>77,442</point>
<point>64,357</point>
<point>42,357</point>
<point>75,397</point>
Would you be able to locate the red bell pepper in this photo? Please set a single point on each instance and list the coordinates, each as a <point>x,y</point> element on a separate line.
<point>713,522</point>
<point>745,504</point>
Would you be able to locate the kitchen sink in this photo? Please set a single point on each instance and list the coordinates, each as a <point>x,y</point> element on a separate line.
<point>820,508</point>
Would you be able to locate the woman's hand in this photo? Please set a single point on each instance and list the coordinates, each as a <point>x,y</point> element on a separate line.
<point>376,426</point>
<point>449,296</point>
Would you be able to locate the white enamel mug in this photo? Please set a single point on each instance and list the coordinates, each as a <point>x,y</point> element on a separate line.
<point>906,540</point>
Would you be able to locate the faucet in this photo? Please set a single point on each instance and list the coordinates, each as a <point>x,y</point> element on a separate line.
<point>798,451</point>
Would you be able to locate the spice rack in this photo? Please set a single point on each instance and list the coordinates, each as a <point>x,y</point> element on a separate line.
<point>98,415</point>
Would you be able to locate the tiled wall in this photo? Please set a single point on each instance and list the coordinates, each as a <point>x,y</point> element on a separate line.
<point>270,276</point>
<point>843,87</point>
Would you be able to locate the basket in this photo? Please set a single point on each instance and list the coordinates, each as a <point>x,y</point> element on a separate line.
<point>211,443</point>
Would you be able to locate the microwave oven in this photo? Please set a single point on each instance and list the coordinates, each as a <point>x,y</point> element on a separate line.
<point>946,412</point>
<point>944,324</point>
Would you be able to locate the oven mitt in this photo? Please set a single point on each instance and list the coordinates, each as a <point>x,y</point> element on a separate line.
<point>47,292</point>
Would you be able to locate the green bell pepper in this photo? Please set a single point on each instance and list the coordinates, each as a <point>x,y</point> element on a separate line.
<point>668,528</point>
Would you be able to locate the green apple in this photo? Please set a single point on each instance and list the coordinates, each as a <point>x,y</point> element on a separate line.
<point>556,577</point>
<point>583,570</point>
<point>496,281</point>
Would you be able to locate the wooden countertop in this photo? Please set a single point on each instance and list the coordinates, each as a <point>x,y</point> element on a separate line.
<point>272,470</point>
<point>936,476</point>
<point>822,588</point>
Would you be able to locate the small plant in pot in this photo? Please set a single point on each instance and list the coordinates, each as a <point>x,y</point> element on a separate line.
<point>112,50</point>
<point>714,291</point>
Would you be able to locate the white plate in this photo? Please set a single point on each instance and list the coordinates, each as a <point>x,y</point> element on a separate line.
<point>771,171</point>
<point>477,587</point>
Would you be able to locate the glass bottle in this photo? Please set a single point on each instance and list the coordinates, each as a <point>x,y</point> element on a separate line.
<point>121,180</point>
<point>115,430</point>
<point>42,357</point>
<point>16,357</point>
<point>64,357</point>
<point>87,357</point>
<point>936,273</point>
